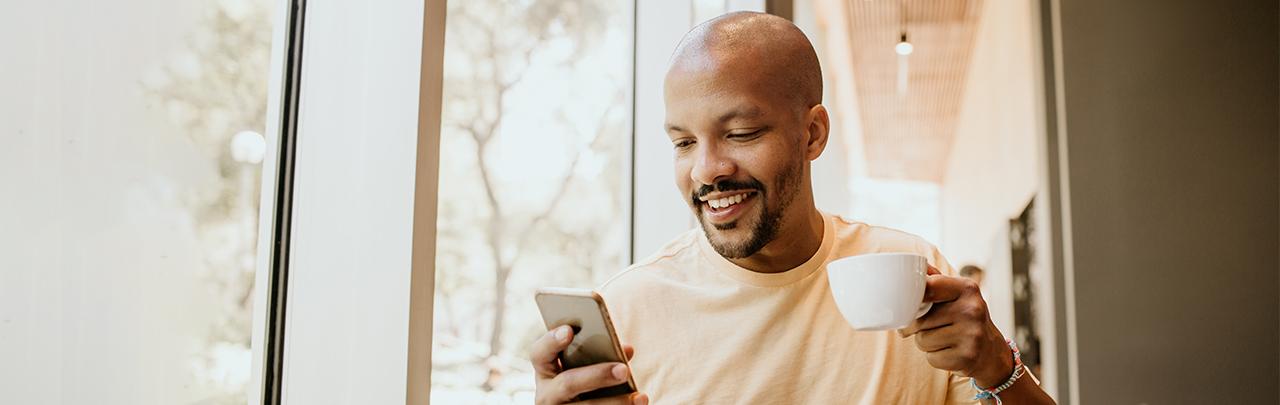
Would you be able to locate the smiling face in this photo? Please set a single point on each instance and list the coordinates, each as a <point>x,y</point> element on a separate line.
<point>744,116</point>
<point>739,156</point>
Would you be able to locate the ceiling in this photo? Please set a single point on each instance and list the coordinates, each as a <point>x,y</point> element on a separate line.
<point>904,135</point>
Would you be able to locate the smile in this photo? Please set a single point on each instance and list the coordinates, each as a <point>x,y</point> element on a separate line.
<point>726,201</point>
<point>725,207</point>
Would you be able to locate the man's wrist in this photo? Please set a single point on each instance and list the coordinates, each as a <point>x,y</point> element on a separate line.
<point>1000,367</point>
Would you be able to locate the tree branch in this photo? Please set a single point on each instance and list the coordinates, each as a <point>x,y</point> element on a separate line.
<point>561,190</point>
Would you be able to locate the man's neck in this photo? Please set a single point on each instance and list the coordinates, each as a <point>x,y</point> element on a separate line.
<point>795,243</point>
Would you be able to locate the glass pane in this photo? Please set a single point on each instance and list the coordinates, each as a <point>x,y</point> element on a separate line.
<point>130,164</point>
<point>534,183</point>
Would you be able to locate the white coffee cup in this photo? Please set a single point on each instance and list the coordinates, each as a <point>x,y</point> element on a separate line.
<point>879,291</point>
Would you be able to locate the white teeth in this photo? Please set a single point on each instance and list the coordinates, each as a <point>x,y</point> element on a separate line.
<point>727,201</point>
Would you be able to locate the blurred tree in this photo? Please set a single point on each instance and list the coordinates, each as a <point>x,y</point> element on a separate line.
<point>493,46</point>
<point>213,90</point>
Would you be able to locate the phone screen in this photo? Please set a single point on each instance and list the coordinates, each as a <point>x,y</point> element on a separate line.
<point>594,339</point>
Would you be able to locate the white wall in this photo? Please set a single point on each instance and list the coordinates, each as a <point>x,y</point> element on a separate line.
<point>992,173</point>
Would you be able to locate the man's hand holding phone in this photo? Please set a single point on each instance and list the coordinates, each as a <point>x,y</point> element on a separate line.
<point>556,385</point>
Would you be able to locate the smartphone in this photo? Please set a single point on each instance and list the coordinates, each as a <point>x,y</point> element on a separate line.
<point>594,339</point>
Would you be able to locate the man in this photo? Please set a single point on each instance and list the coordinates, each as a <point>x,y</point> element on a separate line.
<point>740,311</point>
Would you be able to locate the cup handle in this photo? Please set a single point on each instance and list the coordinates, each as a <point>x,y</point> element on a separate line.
<point>924,309</point>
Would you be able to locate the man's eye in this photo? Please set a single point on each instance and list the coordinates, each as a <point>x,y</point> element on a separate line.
<point>683,143</point>
<point>746,135</point>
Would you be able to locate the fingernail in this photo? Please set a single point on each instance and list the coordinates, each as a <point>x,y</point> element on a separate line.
<point>640,400</point>
<point>620,372</point>
<point>562,333</point>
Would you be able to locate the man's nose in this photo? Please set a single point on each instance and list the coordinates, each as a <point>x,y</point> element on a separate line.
<point>711,166</point>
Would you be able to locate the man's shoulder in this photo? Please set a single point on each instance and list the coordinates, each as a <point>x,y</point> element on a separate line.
<point>667,262</point>
<point>848,230</point>
<point>855,238</point>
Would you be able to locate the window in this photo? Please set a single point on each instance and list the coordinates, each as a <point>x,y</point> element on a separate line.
<point>534,179</point>
<point>131,165</point>
<point>140,138</point>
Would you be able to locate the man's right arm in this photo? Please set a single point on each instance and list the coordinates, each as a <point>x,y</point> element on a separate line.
<point>558,386</point>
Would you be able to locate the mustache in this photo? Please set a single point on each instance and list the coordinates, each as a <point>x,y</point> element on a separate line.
<point>725,185</point>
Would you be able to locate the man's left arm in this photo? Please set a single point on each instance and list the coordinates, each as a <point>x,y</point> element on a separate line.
<point>957,335</point>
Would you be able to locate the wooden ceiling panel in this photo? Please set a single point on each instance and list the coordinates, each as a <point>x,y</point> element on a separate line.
<point>908,134</point>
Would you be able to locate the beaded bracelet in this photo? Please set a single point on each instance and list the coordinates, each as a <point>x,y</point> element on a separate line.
<point>1018,371</point>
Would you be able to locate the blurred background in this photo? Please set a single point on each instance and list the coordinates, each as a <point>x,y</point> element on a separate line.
<point>131,144</point>
<point>135,137</point>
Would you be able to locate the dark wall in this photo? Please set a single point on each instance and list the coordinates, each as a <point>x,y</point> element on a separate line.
<point>1174,194</point>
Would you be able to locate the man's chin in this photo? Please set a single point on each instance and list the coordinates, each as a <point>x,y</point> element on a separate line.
<point>730,243</point>
<point>729,250</point>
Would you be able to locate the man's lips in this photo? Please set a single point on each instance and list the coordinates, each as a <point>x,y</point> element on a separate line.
<point>726,206</point>
<point>724,199</point>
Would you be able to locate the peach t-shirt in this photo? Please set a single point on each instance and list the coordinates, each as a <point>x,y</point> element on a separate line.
<point>708,331</point>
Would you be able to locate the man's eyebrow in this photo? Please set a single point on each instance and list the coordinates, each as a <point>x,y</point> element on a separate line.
<point>749,111</point>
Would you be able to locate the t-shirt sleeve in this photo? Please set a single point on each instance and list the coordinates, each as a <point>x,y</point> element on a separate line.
<point>615,296</point>
<point>961,391</point>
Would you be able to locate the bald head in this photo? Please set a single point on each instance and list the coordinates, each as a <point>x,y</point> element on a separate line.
<point>779,56</point>
<point>744,115</point>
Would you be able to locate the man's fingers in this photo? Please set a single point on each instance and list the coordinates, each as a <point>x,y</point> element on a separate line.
<point>629,351</point>
<point>936,318</point>
<point>630,399</point>
<point>575,381</point>
<point>933,270</point>
<point>958,358</point>
<point>547,349</point>
<point>942,314</point>
<point>939,288</point>
<point>933,340</point>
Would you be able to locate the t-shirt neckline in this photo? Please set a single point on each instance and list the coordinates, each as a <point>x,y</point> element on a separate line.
<point>797,273</point>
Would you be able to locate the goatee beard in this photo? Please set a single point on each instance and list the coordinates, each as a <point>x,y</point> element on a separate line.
<point>767,223</point>
<point>766,228</point>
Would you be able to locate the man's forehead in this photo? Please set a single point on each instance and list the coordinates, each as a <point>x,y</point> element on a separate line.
<point>725,90</point>
<point>719,79</point>
<point>680,120</point>
<point>712,72</point>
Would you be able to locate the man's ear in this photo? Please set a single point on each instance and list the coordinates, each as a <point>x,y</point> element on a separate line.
<point>818,129</point>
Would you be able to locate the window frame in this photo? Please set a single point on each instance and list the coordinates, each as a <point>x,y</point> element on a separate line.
<point>276,334</point>
<point>275,207</point>
<point>281,281</point>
